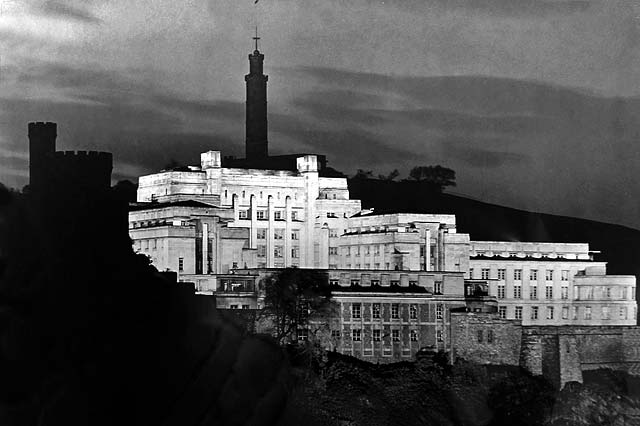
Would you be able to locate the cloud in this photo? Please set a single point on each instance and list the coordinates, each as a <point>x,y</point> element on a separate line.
<point>63,10</point>
<point>505,8</point>
<point>472,153</point>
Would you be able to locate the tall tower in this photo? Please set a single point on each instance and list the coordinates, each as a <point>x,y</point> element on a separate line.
<point>256,116</point>
<point>42,146</point>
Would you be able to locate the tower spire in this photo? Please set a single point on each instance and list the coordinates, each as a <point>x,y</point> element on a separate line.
<point>256,114</point>
<point>256,38</point>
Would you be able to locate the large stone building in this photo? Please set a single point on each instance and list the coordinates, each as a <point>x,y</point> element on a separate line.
<point>397,278</point>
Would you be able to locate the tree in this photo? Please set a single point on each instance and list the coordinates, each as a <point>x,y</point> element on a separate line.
<point>391,176</point>
<point>294,298</point>
<point>437,176</point>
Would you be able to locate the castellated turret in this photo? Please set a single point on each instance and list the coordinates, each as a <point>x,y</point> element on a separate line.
<point>72,170</point>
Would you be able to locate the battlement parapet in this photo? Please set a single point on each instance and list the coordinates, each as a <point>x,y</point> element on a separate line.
<point>96,155</point>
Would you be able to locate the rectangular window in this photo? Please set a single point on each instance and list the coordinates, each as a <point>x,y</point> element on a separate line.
<point>549,292</point>
<point>355,283</point>
<point>607,293</point>
<point>624,293</point>
<point>333,233</point>
<point>565,312</point>
<point>623,312</point>
<point>518,312</point>
<point>356,335</point>
<point>437,287</point>
<point>394,311</point>
<point>295,235</point>
<point>534,312</point>
<point>245,306</point>
<point>533,292</point>
<point>479,336</point>
<point>489,336</point>
<point>587,313</point>
<point>549,312</point>
<point>502,273</point>
<point>233,306</point>
<point>575,313</point>
<point>278,215</point>
<point>277,251</point>
<point>439,311</point>
<point>295,252</point>
<point>414,335</point>
<point>590,293</point>
<point>376,335</point>
<point>413,311</point>
<point>395,335</point>
<point>605,313</point>
<point>517,274</point>
<point>501,292</point>
<point>548,275</point>
<point>261,233</point>
<point>262,215</point>
<point>262,251</point>
<point>439,336</point>
<point>502,311</point>
<point>517,292</point>
<point>485,273</point>
<point>181,264</point>
<point>376,310</point>
<point>278,234</point>
<point>355,311</point>
<point>564,292</point>
<point>565,275</point>
<point>533,275</point>
<point>243,214</point>
<point>294,215</point>
<point>335,334</point>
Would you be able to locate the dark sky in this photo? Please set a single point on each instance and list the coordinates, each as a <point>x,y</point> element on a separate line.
<point>534,103</point>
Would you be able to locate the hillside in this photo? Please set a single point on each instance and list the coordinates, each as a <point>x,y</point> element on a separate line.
<point>620,246</point>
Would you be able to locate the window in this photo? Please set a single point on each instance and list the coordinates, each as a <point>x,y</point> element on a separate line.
<point>303,334</point>
<point>261,233</point>
<point>355,283</point>
<point>533,292</point>
<point>277,215</point>
<point>395,335</point>
<point>414,335</point>
<point>607,293</point>
<point>376,335</point>
<point>295,235</point>
<point>565,312</point>
<point>489,336</point>
<point>439,311</point>
<point>633,293</point>
<point>550,312</point>
<point>479,336</point>
<point>548,275</point>
<point>485,273</point>
<point>564,276</point>
<point>517,292</point>
<point>334,282</point>
<point>623,312</point>
<point>439,336</point>
<point>335,334</point>
<point>605,313</point>
<point>564,292</point>
<point>534,312</point>
<point>501,291</point>
<point>277,251</point>
<point>234,265</point>
<point>624,293</point>
<point>294,215</point>
<point>295,252</point>
<point>355,311</point>
<point>262,215</point>
<point>376,310</point>
<point>394,311</point>
<point>502,273</point>
<point>533,275</point>
<point>518,312</point>
<point>517,274</point>
<point>278,234</point>
<point>245,306</point>
<point>587,313</point>
<point>502,311</point>
<point>262,251</point>
<point>575,313</point>
<point>243,214</point>
<point>413,311</point>
<point>576,293</point>
<point>375,283</point>
<point>181,264</point>
<point>437,287</point>
<point>589,293</point>
<point>356,335</point>
<point>549,292</point>
<point>333,233</point>
<point>233,306</point>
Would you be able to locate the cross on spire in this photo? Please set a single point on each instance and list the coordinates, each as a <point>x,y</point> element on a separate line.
<point>256,38</point>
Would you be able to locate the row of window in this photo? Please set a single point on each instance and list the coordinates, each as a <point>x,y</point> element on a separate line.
<point>437,285</point>
<point>263,214</point>
<point>376,335</point>
<point>278,251</point>
<point>236,306</point>
<point>485,274</point>
<point>587,292</point>
<point>606,312</point>
<point>260,194</point>
<point>356,311</point>
<point>533,292</point>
